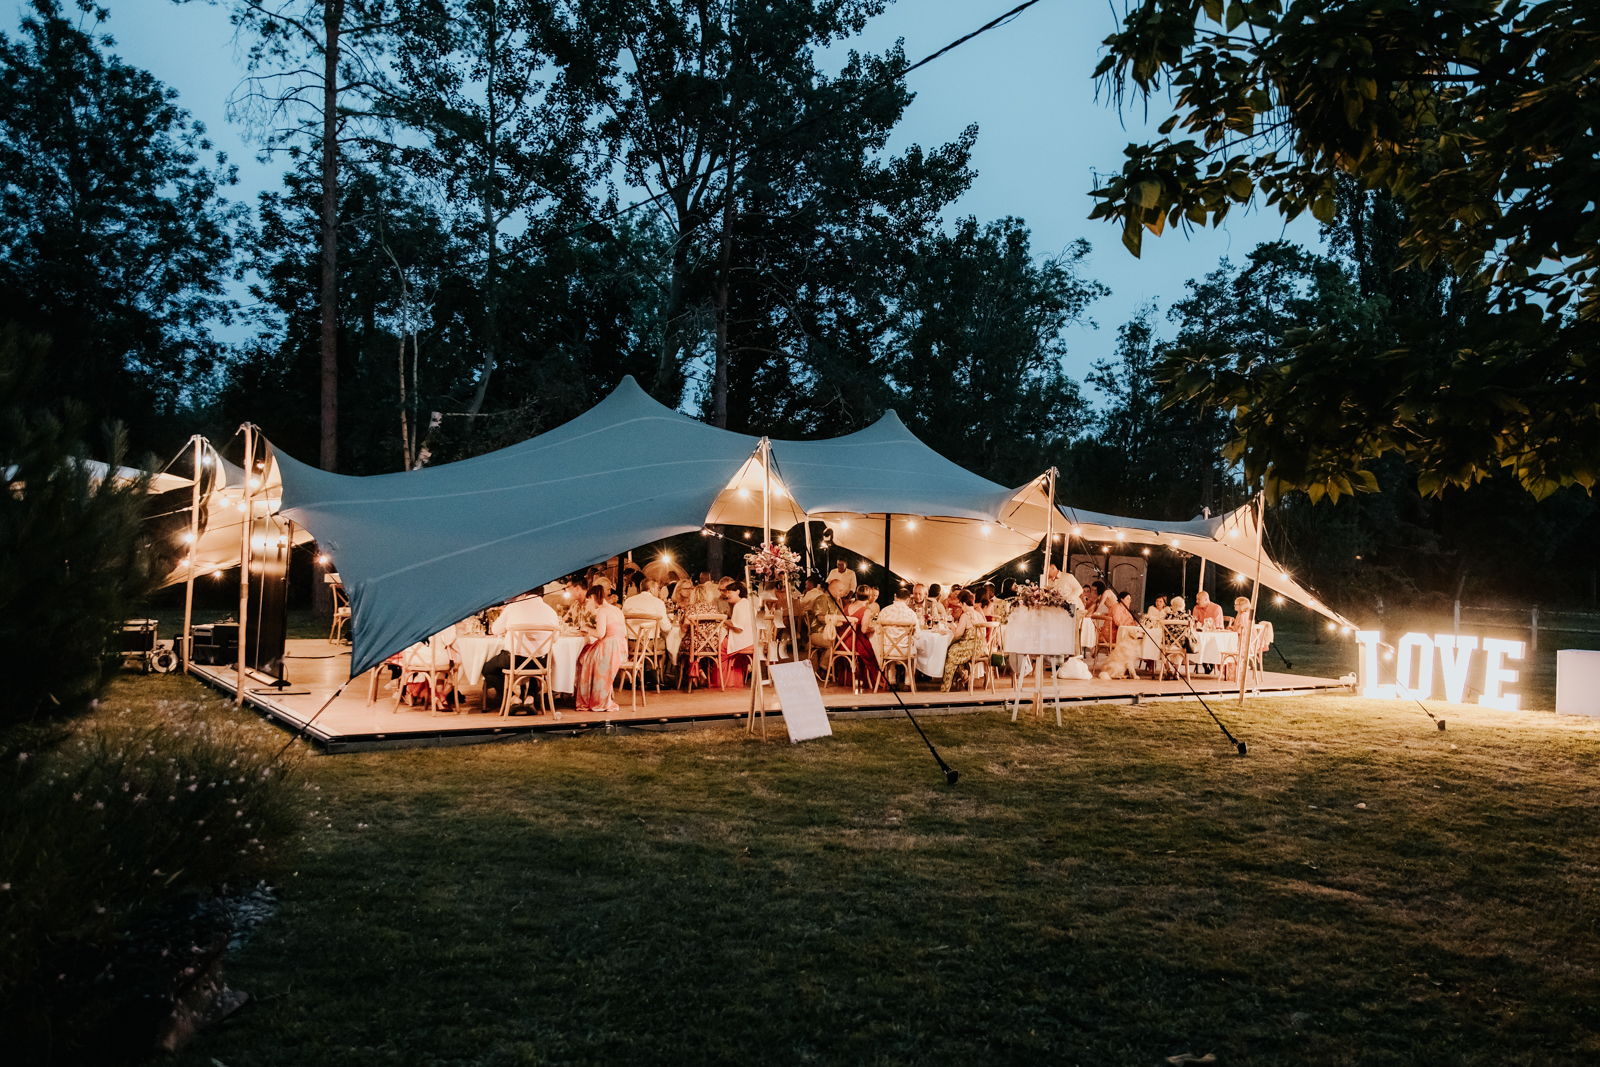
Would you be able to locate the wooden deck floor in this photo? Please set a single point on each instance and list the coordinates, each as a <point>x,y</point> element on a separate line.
<point>316,669</point>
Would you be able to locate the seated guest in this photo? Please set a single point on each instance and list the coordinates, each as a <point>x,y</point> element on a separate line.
<point>1178,609</point>
<point>648,602</point>
<point>861,610</point>
<point>813,589</point>
<point>576,613</point>
<point>706,598</point>
<point>682,591</point>
<point>868,594</point>
<point>1206,614</point>
<point>1158,610</point>
<point>1106,616</point>
<point>1242,618</point>
<point>1008,589</point>
<point>1122,611</point>
<point>527,610</point>
<point>991,606</point>
<point>739,638</point>
<point>900,613</point>
<point>952,600</point>
<point>817,625</point>
<point>935,615</point>
<point>966,640</point>
<point>918,600</point>
<point>1090,596</point>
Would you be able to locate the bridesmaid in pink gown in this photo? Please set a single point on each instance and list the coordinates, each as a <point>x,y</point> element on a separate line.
<point>605,653</point>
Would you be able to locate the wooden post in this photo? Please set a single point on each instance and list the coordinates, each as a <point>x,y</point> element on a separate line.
<point>1049,524</point>
<point>1247,638</point>
<point>888,576</point>
<point>194,549</point>
<point>244,554</point>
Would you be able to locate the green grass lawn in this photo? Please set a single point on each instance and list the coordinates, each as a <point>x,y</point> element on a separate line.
<point>1116,891</point>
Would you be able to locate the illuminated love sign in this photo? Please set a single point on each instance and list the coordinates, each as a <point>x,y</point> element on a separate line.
<point>1413,661</point>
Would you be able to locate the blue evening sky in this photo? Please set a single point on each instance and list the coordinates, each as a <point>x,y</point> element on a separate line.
<point>1027,85</point>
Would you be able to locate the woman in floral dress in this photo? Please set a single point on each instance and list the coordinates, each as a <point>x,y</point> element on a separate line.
<point>604,655</point>
<point>966,639</point>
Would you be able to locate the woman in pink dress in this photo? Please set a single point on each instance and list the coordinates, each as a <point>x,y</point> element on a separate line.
<point>605,653</point>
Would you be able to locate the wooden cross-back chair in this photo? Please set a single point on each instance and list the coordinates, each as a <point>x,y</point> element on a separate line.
<point>1172,647</point>
<point>430,662</point>
<point>845,650</point>
<point>704,643</point>
<point>641,642</point>
<point>899,649</point>
<point>341,607</point>
<point>528,648</point>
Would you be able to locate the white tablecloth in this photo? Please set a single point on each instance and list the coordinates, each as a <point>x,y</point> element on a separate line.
<point>931,648</point>
<point>1214,644</point>
<point>477,649</point>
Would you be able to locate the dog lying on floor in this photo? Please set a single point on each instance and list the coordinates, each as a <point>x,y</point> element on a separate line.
<point>1123,660</point>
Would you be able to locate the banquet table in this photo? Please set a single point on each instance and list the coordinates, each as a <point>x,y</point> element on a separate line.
<point>477,649</point>
<point>1214,645</point>
<point>931,648</point>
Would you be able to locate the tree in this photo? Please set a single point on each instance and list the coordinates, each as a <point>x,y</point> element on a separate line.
<point>73,557</point>
<point>319,67</point>
<point>979,341</point>
<point>713,101</point>
<point>506,134</point>
<point>114,237</point>
<point>1478,118</point>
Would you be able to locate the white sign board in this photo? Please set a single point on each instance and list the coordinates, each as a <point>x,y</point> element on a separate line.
<point>801,700</point>
<point>1577,682</point>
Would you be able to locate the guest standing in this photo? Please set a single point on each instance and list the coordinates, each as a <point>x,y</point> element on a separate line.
<point>605,653</point>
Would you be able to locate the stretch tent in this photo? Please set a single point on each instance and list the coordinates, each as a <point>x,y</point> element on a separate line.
<point>1232,541</point>
<point>419,550</point>
<point>222,513</point>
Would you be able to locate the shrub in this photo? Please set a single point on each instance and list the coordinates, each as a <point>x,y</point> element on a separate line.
<point>102,832</point>
<point>74,559</point>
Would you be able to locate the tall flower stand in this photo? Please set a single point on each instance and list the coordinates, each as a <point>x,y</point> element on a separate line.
<point>1038,633</point>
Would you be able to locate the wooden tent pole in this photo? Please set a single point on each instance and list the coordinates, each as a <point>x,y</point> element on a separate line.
<point>1248,638</point>
<point>194,550</point>
<point>244,554</point>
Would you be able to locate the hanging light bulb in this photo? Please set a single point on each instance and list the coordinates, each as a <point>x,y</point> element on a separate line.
<point>986,528</point>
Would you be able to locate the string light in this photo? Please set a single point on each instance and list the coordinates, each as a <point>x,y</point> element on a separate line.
<point>1146,552</point>
<point>1278,599</point>
<point>744,493</point>
<point>986,528</point>
<point>666,557</point>
<point>323,559</point>
<point>864,567</point>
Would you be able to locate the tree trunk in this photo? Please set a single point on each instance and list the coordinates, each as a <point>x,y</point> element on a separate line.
<point>332,20</point>
<point>719,380</point>
<point>491,227</point>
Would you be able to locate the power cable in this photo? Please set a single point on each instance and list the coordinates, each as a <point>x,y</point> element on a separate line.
<point>809,121</point>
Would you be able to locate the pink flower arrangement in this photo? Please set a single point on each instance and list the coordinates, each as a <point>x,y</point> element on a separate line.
<point>773,561</point>
<point>1032,596</point>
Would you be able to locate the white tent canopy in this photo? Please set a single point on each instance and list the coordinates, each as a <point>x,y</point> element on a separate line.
<point>419,550</point>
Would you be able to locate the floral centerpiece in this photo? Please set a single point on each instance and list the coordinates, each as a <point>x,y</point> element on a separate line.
<point>773,562</point>
<point>1033,596</point>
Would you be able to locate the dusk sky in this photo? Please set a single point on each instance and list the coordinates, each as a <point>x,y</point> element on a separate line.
<point>1042,133</point>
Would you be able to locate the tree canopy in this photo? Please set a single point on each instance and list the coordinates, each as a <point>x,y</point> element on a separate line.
<point>1478,119</point>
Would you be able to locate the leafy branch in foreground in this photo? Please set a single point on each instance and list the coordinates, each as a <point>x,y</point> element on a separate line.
<point>1479,118</point>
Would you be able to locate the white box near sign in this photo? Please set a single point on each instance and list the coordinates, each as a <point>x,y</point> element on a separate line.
<point>1577,682</point>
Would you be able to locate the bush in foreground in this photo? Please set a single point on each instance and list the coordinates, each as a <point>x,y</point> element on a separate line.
<point>129,822</point>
